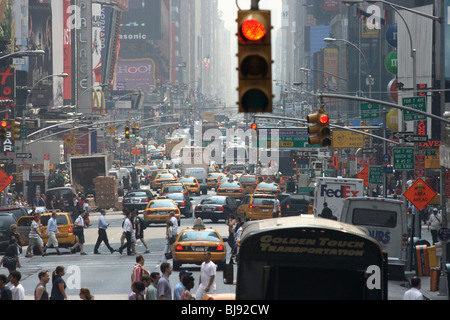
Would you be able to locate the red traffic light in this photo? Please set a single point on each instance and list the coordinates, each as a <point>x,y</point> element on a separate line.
<point>254,126</point>
<point>253,30</point>
<point>324,119</point>
<point>3,124</point>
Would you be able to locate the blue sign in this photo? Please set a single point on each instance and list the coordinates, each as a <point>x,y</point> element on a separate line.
<point>391,35</point>
<point>386,158</point>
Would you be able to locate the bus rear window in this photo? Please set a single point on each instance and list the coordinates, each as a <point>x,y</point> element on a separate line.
<point>376,218</point>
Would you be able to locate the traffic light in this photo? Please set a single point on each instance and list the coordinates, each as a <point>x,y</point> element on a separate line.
<point>321,128</point>
<point>3,130</point>
<point>254,126</point>
<point>135,130</point>
<point>254,61</point>
<point>127,132</point>
<point>15,130</point>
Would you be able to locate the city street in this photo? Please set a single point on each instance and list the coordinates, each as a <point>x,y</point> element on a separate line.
<point>108,275</point>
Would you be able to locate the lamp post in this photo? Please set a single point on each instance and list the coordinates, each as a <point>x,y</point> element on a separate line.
<point>23,53</point>
<point>369,77</point>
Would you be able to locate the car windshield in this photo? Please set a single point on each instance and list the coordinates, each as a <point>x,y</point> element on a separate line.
<point>61,219</point>
<point>263,201</point>
<point>230,185</point>
<point>247,179</point>
<point>203,235</point>
<point>189,180</point>
<point>175,196</point>
<point>173,188</point>
<point>214,175</point>
<point>264,185</point>
<point>214,200</point>
<point>136,194</point>
<point>165,176</point>
<point>162,204</point>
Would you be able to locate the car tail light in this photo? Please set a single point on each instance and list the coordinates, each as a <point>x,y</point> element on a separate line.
<point>287,206</point>
<point>404,239</point>
<point>195,185</point>
<point>179,247</point>
<point>70,229</point>
<point>220,247</point>
<point>146,200</point>
<point>240,190</point>
<point>197,208</point>
<point>125,201</point>
<point>253,206</point>
<point>220,208</point>
<point>182,204</point>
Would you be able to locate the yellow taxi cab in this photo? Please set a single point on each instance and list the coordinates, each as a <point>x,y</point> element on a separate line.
<point>161,179</point>
<point>66,238</point>
<point>249,182</point>
<point>212,179</point>
<point>268,188</point>
<point>192,243</point>
<point>256,206</point>
<point>224,178</point>
<point>155,172</point>
<point>174,187</point>
<point>159,210</point>
<point>231,189</point>
<point>191,184</point>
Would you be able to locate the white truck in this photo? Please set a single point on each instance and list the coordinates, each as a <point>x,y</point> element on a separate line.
<point>193,163</point>
<point>386,221</point>
<point>334,191</point>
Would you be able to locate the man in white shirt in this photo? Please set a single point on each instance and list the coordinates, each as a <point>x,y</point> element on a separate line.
<point>207,280</point>
<point>127,230</point>
<point>52,229</point>
<point>414,293</point>
<point>175,223</point>
<point>17,290</point>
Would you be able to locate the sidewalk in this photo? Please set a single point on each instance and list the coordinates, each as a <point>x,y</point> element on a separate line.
<point>426,280</point>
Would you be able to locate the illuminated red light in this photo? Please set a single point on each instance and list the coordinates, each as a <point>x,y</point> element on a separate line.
<point>3,124</point>
<point>324,119</point>
<point>253,30</point>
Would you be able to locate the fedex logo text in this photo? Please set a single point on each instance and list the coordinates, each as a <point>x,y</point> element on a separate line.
<point>342,192</point>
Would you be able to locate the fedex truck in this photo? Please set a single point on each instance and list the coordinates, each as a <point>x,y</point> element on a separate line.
<point>334,191</point>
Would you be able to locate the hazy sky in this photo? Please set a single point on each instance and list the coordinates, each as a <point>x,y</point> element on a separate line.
<point>229,9</point>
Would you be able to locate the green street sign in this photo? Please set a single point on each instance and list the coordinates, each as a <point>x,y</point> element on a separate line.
<point>403,158</point>
<point>418,103</point>
<point>375,175</point>
<point>370,111</point>
<point>23,132</point>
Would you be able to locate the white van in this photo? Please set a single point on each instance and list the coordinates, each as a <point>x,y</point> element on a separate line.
<point>200,174</point>
<point>118,175</point>
<point>386,221</point>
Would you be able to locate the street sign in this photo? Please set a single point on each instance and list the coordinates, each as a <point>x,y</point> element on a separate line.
<point>23,155</point>
<point>5,180</point>
<point>369,150</point>
<point>418,103</point>
<point>419,165</point>
<point>416,138</point>
<point>387,169</point>
<point>23,132</point>
<point>347,139</point>
<point>420,194</point>
<point>402,135</point>
<point>370,111</point>
<point>375,175</point>
<point>6,161</point>
<point>364,175</point>
<point>386,158</point>
<point>403,158</point>
<point>287,138</point>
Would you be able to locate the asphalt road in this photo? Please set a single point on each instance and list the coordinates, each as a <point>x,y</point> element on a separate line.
<point>108,276</point>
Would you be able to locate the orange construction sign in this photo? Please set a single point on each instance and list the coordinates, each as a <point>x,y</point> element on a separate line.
<point>5,180</point>
<point>420,194</point>
<point>364,174</point>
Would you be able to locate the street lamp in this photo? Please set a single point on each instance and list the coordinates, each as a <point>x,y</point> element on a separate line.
<point>23,53</point>
<point>369,77</point>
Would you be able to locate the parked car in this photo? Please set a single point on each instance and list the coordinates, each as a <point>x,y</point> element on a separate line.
<point>137,199</point>
<point>216,208</point>
<point>183,202</point>
<point>6,220</point>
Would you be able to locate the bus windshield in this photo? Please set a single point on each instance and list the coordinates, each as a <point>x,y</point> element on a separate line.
<point>309,258</point>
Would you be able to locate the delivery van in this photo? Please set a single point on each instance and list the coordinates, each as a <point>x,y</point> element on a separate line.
<point>386,221</point>
<point>334,191</point>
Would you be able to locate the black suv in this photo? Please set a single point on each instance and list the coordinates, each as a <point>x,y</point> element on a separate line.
<point>16,211</point>
<point>294,205</point>
<point>6,220</point>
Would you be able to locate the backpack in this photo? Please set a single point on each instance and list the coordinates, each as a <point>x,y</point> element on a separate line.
<point>143,224</point>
